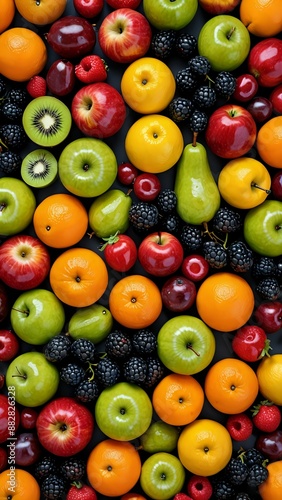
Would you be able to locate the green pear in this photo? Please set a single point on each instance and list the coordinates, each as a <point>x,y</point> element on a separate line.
<point>160,436</point>
<point>109,213</point>
<point>198,197</point>
<point>92,322</point>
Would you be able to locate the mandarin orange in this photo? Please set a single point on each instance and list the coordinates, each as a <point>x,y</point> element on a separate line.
<point>269,142</point>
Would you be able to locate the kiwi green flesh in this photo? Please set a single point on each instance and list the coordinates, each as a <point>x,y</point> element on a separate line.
<point>39,168</point>
<point>47,121</point>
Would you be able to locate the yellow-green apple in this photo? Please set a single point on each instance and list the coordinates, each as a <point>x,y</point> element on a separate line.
<point>8,409</point>
<point>34,378</point>
<point>263,228</point>
<point>244,182</point>
<point>17,205</point>
<point>165,15</point>
<point>9,345</point>
<point>159,436</point>
<point>225,42</point>
<point>37,315</point>
<point>64,426</point>
<point>264,61</point>
<point>92,322</point>
<point>24,262</point>
<point>125,35</point>
<point>162,476</point>
<point>216,7</point>
<point>160,253</point>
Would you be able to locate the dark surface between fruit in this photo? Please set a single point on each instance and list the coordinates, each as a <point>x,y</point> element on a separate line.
<point>223,340</point>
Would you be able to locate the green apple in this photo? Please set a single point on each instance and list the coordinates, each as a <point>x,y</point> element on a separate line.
<point>37,316</point>
<point>93,322</point>
<point>162,476</point>
<point>35,379</point>
<point>123,411</point>
<point>160,436</point>
<point>87,167</point>
<point>263,228</point>
<point>109,213</point>
<point>165,14</point>
<point>17,205</point>
<point>225,41</point>
<point>186,345</point>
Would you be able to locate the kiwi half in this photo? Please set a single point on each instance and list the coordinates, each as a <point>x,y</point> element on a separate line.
<point>47,121</point>
<point>39,168</point>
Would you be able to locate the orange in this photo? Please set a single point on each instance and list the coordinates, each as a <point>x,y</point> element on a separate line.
<point>7,9</point>
<point>269,374</point>
<point>23,54</point>
<point>41,12</point>
<point>225,301</point>
<point>113,467</point>
<point>271,489</point>
<point>23,483</point>
<point>60,220</point>
<point>269,142</point>
<point>263,18</point>
<point>178,399</point>
<point>204,447</point>
<point>231,386</point>
<point>135,301</point>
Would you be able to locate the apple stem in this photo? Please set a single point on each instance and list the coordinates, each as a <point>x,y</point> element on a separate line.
<point>128,192</point>
<point>20,311</point>
<point>268,191</point>
<point>160,238</point>
<point>19,374</point>
<point>230,33</point>
<point>189,346</point>
<point>2,206</point>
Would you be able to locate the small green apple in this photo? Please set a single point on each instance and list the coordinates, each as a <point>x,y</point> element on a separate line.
<point>162,476</point>
<point>35,379</point>
<point>123,411</point>
<point>263,228</point>
<point>165,14</point>
<point>37,316</point>
<point>93,322</point>
<point>186,345</point>
<point>17,205</point>
<point>160,436</point>
<point>225,42</point>
<point>108,214</point>
<point>87,167</point>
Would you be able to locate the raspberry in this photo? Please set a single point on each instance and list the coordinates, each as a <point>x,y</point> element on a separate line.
<point>91,69</point>
<point>199,487</point>
<point>239,426</point>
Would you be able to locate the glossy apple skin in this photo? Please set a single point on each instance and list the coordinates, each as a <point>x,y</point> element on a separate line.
<point>118,4</point>
<point>125,35</point>
<point>276,185</point>
<point>262,228</point>
<point>260,108</point>
<point>71,36</point>
<point>127,173</point>
<point>147,186</point>
<point>276,100</point>
<point>246,88</point>
<point>121,255</point>
<point>107,112</point>
<point>268,315</point>
<point>24,262</point>
<point>231,131</point>
<point>249,342</point>
<point>216,7</point>
<point>265,62</point>
<point>9,417</point>
<point>178,293</point>
<point>64,426</point>
<point>160,254</point>
<point>166,15</point>
<point>60,77</point>
<point>270,445</point>
<point>9,345</point>
<point>27,449</point>
<point>18,203</point>
<point>195,267</point>
<point>4,302</point>
<point>88,8</point>
<point>162,472</point>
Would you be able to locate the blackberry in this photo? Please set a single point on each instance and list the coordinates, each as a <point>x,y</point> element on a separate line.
<point>226,220</point>
<point>162,43</point>
<point>236,471</point>
<point>185,80</point>
<point>257,475</point>
<point>268,288</point>
<point>224,84</point>
<point>224,490</point>
<point>11,111</point>
<point>166,201</point>
<point>215,254</point>
<point>170,223</point>
<point>107,371</point>
<point>204,97</point>
<point>87,391</point>
<point>134,370</point>
<point>45,466</point>
<point>240,257</point>
<point>84,350</point>
<point>73,469</point>
<point>253,456</point>
<point>186,45</point>
<point>118,345</point>
<point>263,267</point>
<point>278,270</point>
<point>200,66</point>
<point>179,109</point>
<point>154,373</point>
<point>13,136</point>
<point>144,342</point>
<point>58,348</point>
<point>143,216</point>
<point>18,96</point>
<point>53,487</point>
<point>10,162</point>
<point>198,121</point>
<point>3,86</point>
<point>72,374</point>
<point>191,237</point>
<point>242,496</point>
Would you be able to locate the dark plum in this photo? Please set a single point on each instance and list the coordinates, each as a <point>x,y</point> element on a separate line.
<point>71,36</point>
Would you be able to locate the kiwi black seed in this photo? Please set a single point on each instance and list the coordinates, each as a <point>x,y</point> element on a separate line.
<point>39,168</point>
<point>47,121</point>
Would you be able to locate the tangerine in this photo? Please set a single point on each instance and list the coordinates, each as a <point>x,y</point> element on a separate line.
<point>269,142</point>
<point>23,54</point>
<point>19,485</point>
<point>113,467</point>
<point>178,399</point>
<point>135,301</point>
<point>7,9</point>
<point>60,220</point>
<point>262,18</point>
<point>231,386</point>
<point>269,374</point>
<point>225,301</point>
<point>271,488</point>
<point>41,12</point>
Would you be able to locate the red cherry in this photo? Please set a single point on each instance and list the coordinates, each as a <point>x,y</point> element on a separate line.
<point>28,418</point>
<point>276,100</point>
<point>260,108</point>
<point>246,87</point>
<point>127,173</point>
<point>147,187</point>
<point>195,267</point>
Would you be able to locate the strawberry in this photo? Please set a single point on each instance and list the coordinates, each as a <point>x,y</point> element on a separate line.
<point>79,491</point>
<point>181,496</point>
<point>266,416</point>
<point>91,69</point>
<point>36,86</point>
<point>239,426</point>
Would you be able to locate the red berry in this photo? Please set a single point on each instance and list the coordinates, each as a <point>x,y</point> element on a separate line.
<point>81,492</point>
<point>199,487</point>
<point>239,426</point>
<point>181,496</point>
<point>91,69</point>
<point>266,416</point>
<point>37,86</point>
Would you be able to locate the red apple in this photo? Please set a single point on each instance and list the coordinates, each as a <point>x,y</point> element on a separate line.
<point>231,131</point>
<point>9,345</point>
<point>265,62</point>
<point>216,7</point>
<point>246,87</point>
<point>160,254</point>
<point>64,426</point>
<point>88,8</point>
<point>195,267</point>
<point>4,302</point>
<point>268,315</point>
<point>125,35</point>
<point>250,343</point>
<point>118,4</point>
<point>24,262</point>
<point>27,449</point>
<point>276,100</point>
<point>178,293</point>
<point>9,416</point>
<point>276,185</point>
<point>98,110</point>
